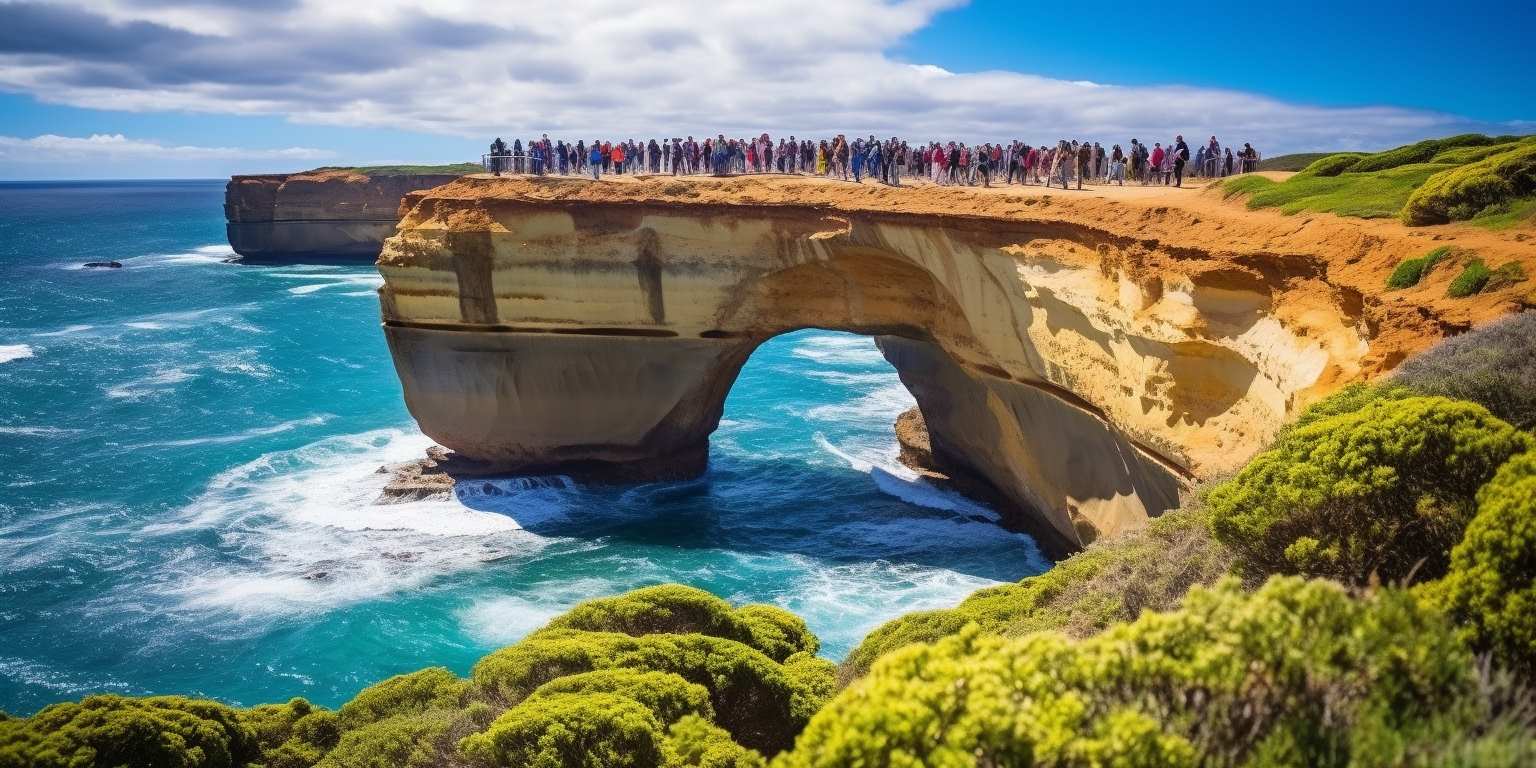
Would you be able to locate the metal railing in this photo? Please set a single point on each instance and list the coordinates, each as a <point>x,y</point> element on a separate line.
<point>512,162</point>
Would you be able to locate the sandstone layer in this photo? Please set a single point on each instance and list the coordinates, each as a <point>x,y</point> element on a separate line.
<point>317,214</point>
<point>1085,356</point>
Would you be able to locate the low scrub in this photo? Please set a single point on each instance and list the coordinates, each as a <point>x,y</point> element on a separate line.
<point>1410,271</point>
<point>676,609</point>
<point>1111,581</point>
<point>1466,191</point>
<point>1472,279</point>
<point>1299,673</point>
<point>1380,493</point>
<point>1491,587</point>
<point>118,731</point>
<point>1332,165</point>
<point>1494,366</point>
<point>1424,151</point>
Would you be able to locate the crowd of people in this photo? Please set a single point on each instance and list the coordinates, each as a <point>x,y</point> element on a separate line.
<point>887,160</point>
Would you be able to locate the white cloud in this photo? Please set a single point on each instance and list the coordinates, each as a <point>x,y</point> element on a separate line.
<point>615,67</point>
<point>115,147</point>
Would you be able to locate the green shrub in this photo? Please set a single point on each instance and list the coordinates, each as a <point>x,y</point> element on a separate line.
<point>593,730</point>
<point>1333,165</point>
<point>1464,155</point>
<point>292,735</point>
<point>813,679</point>
<point>1470,281</point>
<point>400,741</point>
<point>666,695</point>
<point>752,696</point>
<point>1424,151</point>
<point>1410,271</point>
<point>1348,399</point>
<point>1465,191</point>
<point>676,609</point>
<point>1493,366</point>
<point>1298,673</point>
<point>1112,580</point>
<point>111,731</point>
<point>694,742</point>
<point>1491,587</point>
<point>431,688</point>
<point>1383,492</point>
<point>776,632</point>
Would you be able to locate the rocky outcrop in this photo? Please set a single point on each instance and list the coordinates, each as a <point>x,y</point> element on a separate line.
<point>1084,357</point>
<point>317,214</point>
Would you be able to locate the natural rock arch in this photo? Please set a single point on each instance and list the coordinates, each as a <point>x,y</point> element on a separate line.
<point>559,335</point>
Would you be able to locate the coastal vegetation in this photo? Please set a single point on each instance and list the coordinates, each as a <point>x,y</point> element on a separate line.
<point>1409,272</point>
<point>1489,180</point>
<point>1362,593</point>
<point>391,170</point>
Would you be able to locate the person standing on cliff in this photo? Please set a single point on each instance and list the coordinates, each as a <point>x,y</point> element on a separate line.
<point>595,160</point>
<point>498,150</point>
<point>1180,157</point>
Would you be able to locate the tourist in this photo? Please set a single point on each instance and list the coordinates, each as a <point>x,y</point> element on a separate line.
<point>595,160</point>
<point>1180,157</point>
<point>1084,162</point>
<point>1116,166</point>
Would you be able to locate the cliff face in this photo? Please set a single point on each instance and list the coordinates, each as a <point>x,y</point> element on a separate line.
<point>1086,358</point>
<point>327,214</point>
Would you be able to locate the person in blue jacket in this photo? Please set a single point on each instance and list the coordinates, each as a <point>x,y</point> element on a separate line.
<point>595,159</point>
<point>858,159</point>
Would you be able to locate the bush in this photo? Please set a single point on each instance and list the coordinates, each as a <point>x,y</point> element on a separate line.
<point>432,688</point>
<point>292,735</point>
<point>1112,580</point>
<point>1493,366</point>
<point>752,696</point>
<point>1491,587</point>
<point>1410,271</point>
<point>1298,673</point>
<point>1383,492</point>
<point>674,608</point>
<point>666,695</point>
<point>111,731</point>
<point>598,730</point>
<point>694,742</point>
<point>1464,155</point>
<point>1470,281</point>
<point>1464,191</point>
<point>776,632</point>
<point>1333,165</point>
<point>1424,151</point>
<point>401,741</point>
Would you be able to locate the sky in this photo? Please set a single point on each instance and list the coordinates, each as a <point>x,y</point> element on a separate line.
<point>206,88</point>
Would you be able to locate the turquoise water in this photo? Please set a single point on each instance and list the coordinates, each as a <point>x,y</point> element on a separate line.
<point>189,459</point>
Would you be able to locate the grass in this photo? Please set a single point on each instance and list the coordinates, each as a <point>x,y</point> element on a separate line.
<point>1411,271</point>
<point>1293,162</point>
<point>1513,214</point>
<point>1470,281</point>
<point>1332,165</point>
<point>1425,151</point>
<point>1366,195</point>
<point>393,170</point>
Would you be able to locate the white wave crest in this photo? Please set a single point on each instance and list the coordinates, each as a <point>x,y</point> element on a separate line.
<point>9,352</point>
<point>240,437</point>
<point>306,535</point>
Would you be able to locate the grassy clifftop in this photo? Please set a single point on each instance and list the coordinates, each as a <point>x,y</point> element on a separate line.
<point>1489,180</point>
<point>408,170</point>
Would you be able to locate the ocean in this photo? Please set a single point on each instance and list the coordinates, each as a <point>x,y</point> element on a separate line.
<point>189,455</point>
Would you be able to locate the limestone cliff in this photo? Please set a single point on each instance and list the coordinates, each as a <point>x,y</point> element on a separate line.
<point>317,214</point>
<point>1085,357</point>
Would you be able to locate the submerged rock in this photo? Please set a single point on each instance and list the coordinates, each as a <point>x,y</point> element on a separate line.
<point>103,265</point>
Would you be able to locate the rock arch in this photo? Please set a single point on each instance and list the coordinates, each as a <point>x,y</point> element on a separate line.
<point>548,333</point>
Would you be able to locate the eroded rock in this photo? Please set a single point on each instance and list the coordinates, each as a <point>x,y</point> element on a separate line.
<point>1084,358</point>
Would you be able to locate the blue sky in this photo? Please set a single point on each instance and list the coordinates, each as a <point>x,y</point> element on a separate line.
<point>177,88</point>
